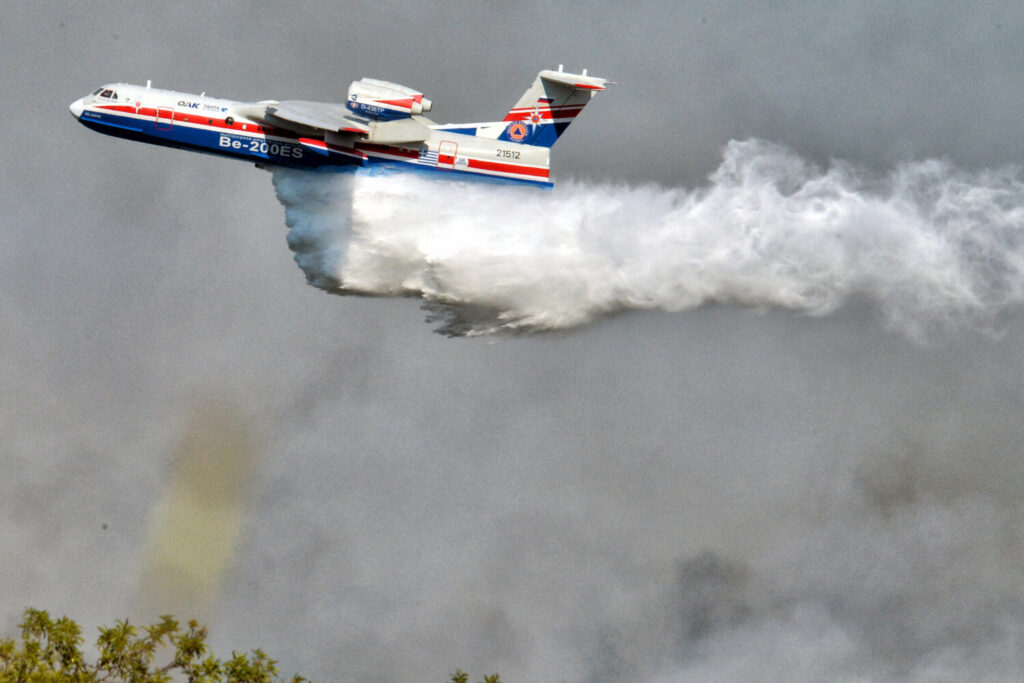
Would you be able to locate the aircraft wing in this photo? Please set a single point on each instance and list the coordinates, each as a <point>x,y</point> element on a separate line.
<point>321,115</point>
<point>310,117</point>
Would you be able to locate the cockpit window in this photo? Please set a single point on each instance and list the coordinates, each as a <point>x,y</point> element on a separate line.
<point>109,94</point>
<point>97,91</point>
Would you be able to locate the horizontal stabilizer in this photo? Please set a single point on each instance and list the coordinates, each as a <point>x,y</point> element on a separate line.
<point>577,81</point>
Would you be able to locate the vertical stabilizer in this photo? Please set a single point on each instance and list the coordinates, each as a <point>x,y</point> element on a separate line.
<point>545,110</point>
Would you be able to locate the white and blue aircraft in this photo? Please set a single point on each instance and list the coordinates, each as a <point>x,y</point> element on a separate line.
<point>381,123</point>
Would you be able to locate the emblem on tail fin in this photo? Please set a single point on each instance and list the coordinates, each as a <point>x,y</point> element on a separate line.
<point>517,132</point>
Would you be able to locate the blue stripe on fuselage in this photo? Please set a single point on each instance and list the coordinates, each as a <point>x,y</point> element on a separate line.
<point>233,144</point>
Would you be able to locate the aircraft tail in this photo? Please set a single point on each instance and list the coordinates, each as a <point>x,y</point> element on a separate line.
<point>548,107</point>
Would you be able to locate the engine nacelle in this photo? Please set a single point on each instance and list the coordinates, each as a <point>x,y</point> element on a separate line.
<point>385,101</point>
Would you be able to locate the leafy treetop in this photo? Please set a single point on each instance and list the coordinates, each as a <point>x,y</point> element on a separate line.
<point>461,676</point>
<point>50,650</point>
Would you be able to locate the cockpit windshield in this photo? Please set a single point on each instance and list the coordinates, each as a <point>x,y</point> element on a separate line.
<point>105,92</point>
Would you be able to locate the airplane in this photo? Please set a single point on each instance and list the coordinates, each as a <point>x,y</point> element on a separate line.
<point>380,125</point>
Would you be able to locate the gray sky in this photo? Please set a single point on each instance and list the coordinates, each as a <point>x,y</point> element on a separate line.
<point>712,495</point>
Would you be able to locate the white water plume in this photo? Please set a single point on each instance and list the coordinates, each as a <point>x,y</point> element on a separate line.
<point>931,246</point>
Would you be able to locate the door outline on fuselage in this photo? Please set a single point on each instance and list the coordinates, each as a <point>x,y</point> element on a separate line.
<point>446,152</point>
<point>164,118</point>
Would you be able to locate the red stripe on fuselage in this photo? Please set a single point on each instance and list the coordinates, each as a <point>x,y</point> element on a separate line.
<point>209,121</point>
<point>508,168</point>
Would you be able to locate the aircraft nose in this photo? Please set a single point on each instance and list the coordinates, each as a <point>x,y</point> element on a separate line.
<point>76,108</point>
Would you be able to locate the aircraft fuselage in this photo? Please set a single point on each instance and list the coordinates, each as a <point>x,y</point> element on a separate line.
<point>218,126</point>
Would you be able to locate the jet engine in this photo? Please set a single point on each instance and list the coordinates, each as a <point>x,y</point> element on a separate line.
<point>385,101</point>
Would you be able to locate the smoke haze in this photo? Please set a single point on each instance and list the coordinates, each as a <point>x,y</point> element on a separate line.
<point>777,435</point>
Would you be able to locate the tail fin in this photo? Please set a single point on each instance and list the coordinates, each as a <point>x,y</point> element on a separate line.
<point>549,106</point>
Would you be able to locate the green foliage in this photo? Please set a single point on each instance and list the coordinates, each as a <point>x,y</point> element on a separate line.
<point>50,651</point>
<point>461,676</point>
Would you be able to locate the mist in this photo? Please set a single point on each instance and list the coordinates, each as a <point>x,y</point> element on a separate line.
<point>933,247</point>
<point>744,402</point>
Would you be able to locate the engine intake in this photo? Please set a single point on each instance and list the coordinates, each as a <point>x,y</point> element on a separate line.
<point>385,101</point>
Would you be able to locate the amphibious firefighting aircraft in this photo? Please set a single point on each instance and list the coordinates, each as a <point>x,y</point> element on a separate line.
<point>381,123</point>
